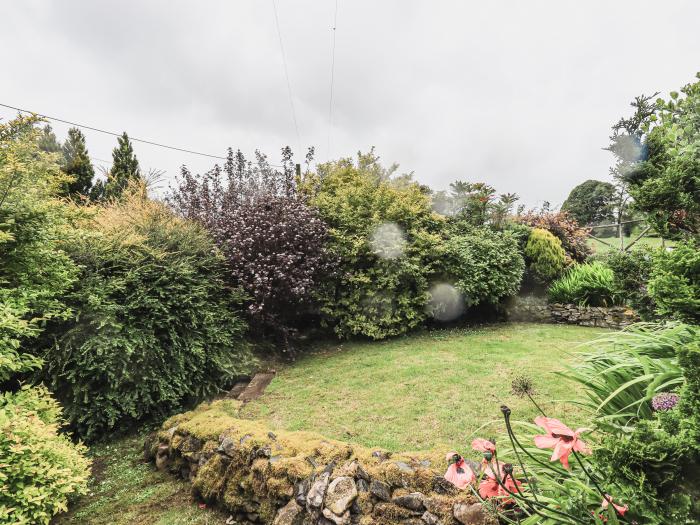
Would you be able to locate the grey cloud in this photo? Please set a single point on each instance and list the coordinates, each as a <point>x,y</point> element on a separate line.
<point>518,94</point>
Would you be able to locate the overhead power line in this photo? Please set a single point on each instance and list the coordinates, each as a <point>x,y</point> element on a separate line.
<point>330,99</point>
<point>133,139</point>
<point>286,76</point>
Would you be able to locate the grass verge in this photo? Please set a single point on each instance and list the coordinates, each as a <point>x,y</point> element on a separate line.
<point>126,491</point>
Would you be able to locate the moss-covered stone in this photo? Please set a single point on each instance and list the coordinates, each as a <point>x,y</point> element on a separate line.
<point>240,465</point>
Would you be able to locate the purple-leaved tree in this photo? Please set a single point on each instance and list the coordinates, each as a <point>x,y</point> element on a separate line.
<point>273,240</point>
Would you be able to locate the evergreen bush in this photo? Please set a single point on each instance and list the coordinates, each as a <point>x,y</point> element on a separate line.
<point>544,255</point>
<point>154,324</point>
<point>41,469</point>
<point>485,266</point>
<point>674,284</point>
<point>385,237</point>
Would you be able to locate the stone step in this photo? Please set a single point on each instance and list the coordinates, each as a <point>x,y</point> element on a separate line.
<point>256,387</point>
<point>237,389</point>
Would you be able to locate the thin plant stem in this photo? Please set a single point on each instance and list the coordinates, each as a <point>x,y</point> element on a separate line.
<point>517,454</point>
<point>536,405</point>
<point>595,483</point>
<point>532,505</point>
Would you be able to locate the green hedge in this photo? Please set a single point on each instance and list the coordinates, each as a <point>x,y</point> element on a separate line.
<point>674,284</point>
<point>383,234</point>
<point>483,265</point>
<point>154,327</point>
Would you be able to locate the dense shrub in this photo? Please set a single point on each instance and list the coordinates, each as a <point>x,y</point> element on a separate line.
<point>651,453</point>
<point>665,185</point>
<point>656,464</point>
<point>41,469</point>
<point>483,265</point>
<point>34,270</point>
<point>572,236</point>
<point>544,255</point>
<point>632,269</point>
<point>274,243</point>
<point>588,284</point>
<point>674,284</point>
<point>154,325</point>
<point>384,235</point>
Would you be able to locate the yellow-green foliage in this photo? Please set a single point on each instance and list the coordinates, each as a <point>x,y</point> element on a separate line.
<point>384,235</point>
<point>35,273</point>
<point>544,255</point>
<point>40,469</point>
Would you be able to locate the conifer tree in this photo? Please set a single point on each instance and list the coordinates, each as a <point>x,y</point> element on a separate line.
<point>78,164</point>
<point>125,167</point>
<point>47,140</point>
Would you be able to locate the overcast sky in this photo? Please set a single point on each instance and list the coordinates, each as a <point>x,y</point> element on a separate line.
<point>517,94</point>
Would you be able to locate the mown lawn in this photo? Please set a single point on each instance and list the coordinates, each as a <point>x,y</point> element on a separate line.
<point>422,391</point>
<point>434,389</point>
<point>126,491</point>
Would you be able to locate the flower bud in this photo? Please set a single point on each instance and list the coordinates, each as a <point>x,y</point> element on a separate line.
<point>505,410</point>
<point>488,456</point>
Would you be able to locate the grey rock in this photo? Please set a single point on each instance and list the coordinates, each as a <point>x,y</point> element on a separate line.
<point>227,446</point>
<point>300,490</point>
<point>362,485</point>
<point>430,519</point>
<point>404,467</point>
<point>444,487</point>
<point>314,498</point>
<point>469,514</point>
<point>362,473</point>
<point>380,490</point>
<point>290,514</point>
<point>412,501</point>
<point>381,455</point>
<point>343,519</point>
<point>340,494</point>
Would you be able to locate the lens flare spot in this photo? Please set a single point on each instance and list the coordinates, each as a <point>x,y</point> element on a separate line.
<point>388,241</point>
<point>446,302</point>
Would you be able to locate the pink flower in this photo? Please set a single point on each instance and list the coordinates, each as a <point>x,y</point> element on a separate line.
<point>490,488</point>
<point>458,472</point>
<point>561,438</point>
<point>483,445</point>
<point>621,509</point>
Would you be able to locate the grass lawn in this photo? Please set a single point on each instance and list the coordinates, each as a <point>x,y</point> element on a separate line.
<point>423,391</point>
<point>126,491</point>
<point>433,389</point>
<point>599,247</point>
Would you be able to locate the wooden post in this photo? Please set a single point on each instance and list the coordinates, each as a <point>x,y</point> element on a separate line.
<point>621,233</point>
<point>297,168</point>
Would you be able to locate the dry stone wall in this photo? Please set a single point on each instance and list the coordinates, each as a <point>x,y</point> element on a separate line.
<point>300,478</point>
<point>537,309</point>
